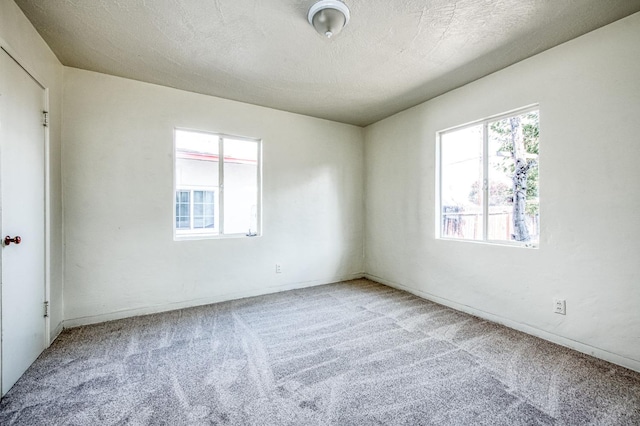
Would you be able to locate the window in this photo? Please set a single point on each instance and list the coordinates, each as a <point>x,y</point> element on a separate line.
<point>217,185</point>
<point>488,180</point>
<point>195,209</point>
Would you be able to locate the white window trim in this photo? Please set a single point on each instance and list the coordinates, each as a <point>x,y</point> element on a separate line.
<point>485,174</point>
<point>178,235</point>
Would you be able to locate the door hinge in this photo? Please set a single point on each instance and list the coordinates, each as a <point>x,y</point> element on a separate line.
<point>46,309</point>
<point>45,118</point>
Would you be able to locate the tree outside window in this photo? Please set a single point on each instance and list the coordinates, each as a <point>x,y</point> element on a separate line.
<point>489,180</point>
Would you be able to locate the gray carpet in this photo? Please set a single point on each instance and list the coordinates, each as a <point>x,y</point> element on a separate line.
<point>355,353</point>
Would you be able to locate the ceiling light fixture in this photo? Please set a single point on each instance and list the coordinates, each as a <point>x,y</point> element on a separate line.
<point>328,17</point>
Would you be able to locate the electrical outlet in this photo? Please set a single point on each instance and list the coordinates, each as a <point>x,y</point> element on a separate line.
<point>278,268</point>
<point>560,306</point>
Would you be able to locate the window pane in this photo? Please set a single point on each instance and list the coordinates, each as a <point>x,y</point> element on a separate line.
<point>209,222</point>
<point>500,224</point>
<point>240,150</point>
<point>196,142</point>
<point>514,216</point>
<point>203,209</point>
<point>209,209</point>
<point>461,183</point>
<point>182,210</point>
<point>197,166</point>
<point>240,186</point>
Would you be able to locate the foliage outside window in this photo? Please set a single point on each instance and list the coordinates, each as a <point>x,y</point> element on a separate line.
<point>217,185</point>
<point>488,186</point>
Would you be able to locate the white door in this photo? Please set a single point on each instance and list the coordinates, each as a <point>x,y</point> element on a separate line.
<point>22,208</point>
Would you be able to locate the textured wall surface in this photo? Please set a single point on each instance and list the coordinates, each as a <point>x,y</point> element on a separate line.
<point>121,258</point>
<point>589,94</point>
<point>23,41</point>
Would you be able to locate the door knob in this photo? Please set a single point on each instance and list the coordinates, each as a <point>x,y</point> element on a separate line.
<point>8,240</point>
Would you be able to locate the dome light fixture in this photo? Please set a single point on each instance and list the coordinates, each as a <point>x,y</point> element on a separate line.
<point>328,17</point>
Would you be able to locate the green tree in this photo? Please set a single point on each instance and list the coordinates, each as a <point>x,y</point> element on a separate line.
<point>502,131</point>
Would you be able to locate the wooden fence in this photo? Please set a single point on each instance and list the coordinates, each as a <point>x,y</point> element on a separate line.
<point>469,225</point>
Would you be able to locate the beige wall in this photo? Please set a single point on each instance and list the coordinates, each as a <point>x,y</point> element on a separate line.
<point>589,95</point>
<point>21,39</point>
<point>121,258</point>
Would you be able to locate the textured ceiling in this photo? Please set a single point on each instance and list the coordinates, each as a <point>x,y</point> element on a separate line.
<point>394,54</point>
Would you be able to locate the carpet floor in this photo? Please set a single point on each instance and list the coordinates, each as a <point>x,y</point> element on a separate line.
<point>353,353</point>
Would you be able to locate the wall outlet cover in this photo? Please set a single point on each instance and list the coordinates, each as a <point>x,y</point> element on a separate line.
<point>560,306</point>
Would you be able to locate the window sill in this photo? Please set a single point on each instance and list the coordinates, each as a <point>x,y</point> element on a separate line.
<point>192,237</point>
<point>494,243</point>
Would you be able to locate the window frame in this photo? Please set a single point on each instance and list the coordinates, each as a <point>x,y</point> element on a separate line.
<point>192,234</point>
<point>485,178</point>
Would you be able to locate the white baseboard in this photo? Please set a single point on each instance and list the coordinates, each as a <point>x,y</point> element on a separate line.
<point>126,313</point>
<point>614,358</point>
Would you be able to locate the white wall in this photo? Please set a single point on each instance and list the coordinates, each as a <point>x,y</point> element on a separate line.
<point>18,35</point>
<point>589,95</point>
<point>121,259</point>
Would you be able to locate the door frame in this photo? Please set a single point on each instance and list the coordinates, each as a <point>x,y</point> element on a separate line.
<point>6,48</point>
